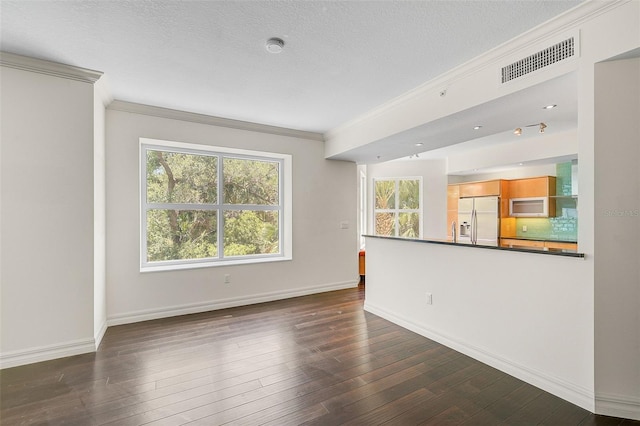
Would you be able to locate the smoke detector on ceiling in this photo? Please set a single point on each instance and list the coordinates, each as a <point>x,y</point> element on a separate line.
<point>275,45</point>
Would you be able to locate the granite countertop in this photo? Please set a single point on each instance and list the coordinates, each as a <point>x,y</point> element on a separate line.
<point>537,250</point>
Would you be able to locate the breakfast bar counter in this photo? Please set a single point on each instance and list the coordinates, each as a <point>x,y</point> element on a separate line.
<point>535,250</point>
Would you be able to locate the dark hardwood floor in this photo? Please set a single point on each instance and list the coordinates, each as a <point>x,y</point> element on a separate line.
<point>314,360</point>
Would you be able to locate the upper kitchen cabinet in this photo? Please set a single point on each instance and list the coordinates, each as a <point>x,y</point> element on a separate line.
<point>544,186</point>
<point>480,189</point>
<point>532,197</point>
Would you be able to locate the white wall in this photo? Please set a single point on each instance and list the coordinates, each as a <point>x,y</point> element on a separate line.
<point>47,217</point>
<point>603,161</point>
<point>527,151</point>
<point>528,314</point>
<point>617,237</point>
<point>324,256</point>
<point>434,192</point>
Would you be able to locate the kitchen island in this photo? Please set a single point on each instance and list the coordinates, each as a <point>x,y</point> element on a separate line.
<point>526,312</point>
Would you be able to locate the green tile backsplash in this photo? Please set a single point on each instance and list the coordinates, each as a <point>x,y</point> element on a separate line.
<point>563,179</point>
<point>562,227</point>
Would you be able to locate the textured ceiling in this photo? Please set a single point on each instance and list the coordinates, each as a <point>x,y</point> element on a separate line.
<point>341,58</point>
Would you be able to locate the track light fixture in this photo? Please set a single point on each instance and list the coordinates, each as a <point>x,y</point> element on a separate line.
<point>541,126</point>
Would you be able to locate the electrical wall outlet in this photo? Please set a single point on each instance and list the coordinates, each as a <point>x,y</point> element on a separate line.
<point>227,278</point>
<point>524,228</point>
<point>429,298</point>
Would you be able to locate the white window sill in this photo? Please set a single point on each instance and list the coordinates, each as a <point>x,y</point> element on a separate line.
<point>198,265</point>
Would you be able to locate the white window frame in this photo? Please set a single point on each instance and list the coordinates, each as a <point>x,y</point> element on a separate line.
<point>284,208</point>
<point>397,210</point>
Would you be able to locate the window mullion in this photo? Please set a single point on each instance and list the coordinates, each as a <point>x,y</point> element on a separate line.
<point>281,202</point>
<point>220,201</point>
<point>253,207</point>
<point>180,206</point>
<point>396,215</point>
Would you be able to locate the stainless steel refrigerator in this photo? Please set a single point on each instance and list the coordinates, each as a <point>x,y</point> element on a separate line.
<point>479,220</point>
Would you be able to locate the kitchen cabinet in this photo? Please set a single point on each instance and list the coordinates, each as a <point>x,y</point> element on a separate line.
<point>480,189</point>
<point>510,242</point>
<point>544,186</point>
<point>529,207</point>
<point>561,245</point>
<point>538,244</point>
<point>532,197</point>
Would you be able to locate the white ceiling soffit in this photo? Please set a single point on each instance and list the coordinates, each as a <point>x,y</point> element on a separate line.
<point>499,118</point>
<point>340,59</point>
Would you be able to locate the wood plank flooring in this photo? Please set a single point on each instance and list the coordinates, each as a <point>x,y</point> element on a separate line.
<point>313,360</point>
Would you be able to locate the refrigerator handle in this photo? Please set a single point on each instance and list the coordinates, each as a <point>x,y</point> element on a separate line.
<point>475,226</point>
<point>472,231</point>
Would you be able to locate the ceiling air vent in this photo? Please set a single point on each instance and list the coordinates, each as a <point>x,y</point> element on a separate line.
<point>563,50</point>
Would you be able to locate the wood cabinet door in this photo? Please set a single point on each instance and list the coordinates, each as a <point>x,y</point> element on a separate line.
<point>480,189</point>
<point>532,187</point>
<point>453,193</point>
<point>452,216</point>
<point>506,242</point>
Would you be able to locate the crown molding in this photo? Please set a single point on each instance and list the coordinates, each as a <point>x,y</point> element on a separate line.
<point>55,69</point>
<point>527,42</point>
<point>173,114</point>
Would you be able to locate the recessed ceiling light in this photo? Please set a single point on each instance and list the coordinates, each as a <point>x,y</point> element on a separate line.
<point>419,144</point>
<point>550,106</point>
<point>275,45</point>
<point>520,164</point>
<point>477,128</point>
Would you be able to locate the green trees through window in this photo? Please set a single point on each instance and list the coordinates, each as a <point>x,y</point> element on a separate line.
<point>209,205</point>
<point>397,207</point>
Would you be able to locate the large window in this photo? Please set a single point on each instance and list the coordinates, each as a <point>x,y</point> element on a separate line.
<point>397,209</point>
<point>203,206</point>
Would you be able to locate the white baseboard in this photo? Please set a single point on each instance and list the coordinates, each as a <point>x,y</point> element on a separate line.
<point>46,353</point>
<point>194,308</point>
<point>573,393</point>
<point>618,406</point>
<point>100,334</point>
